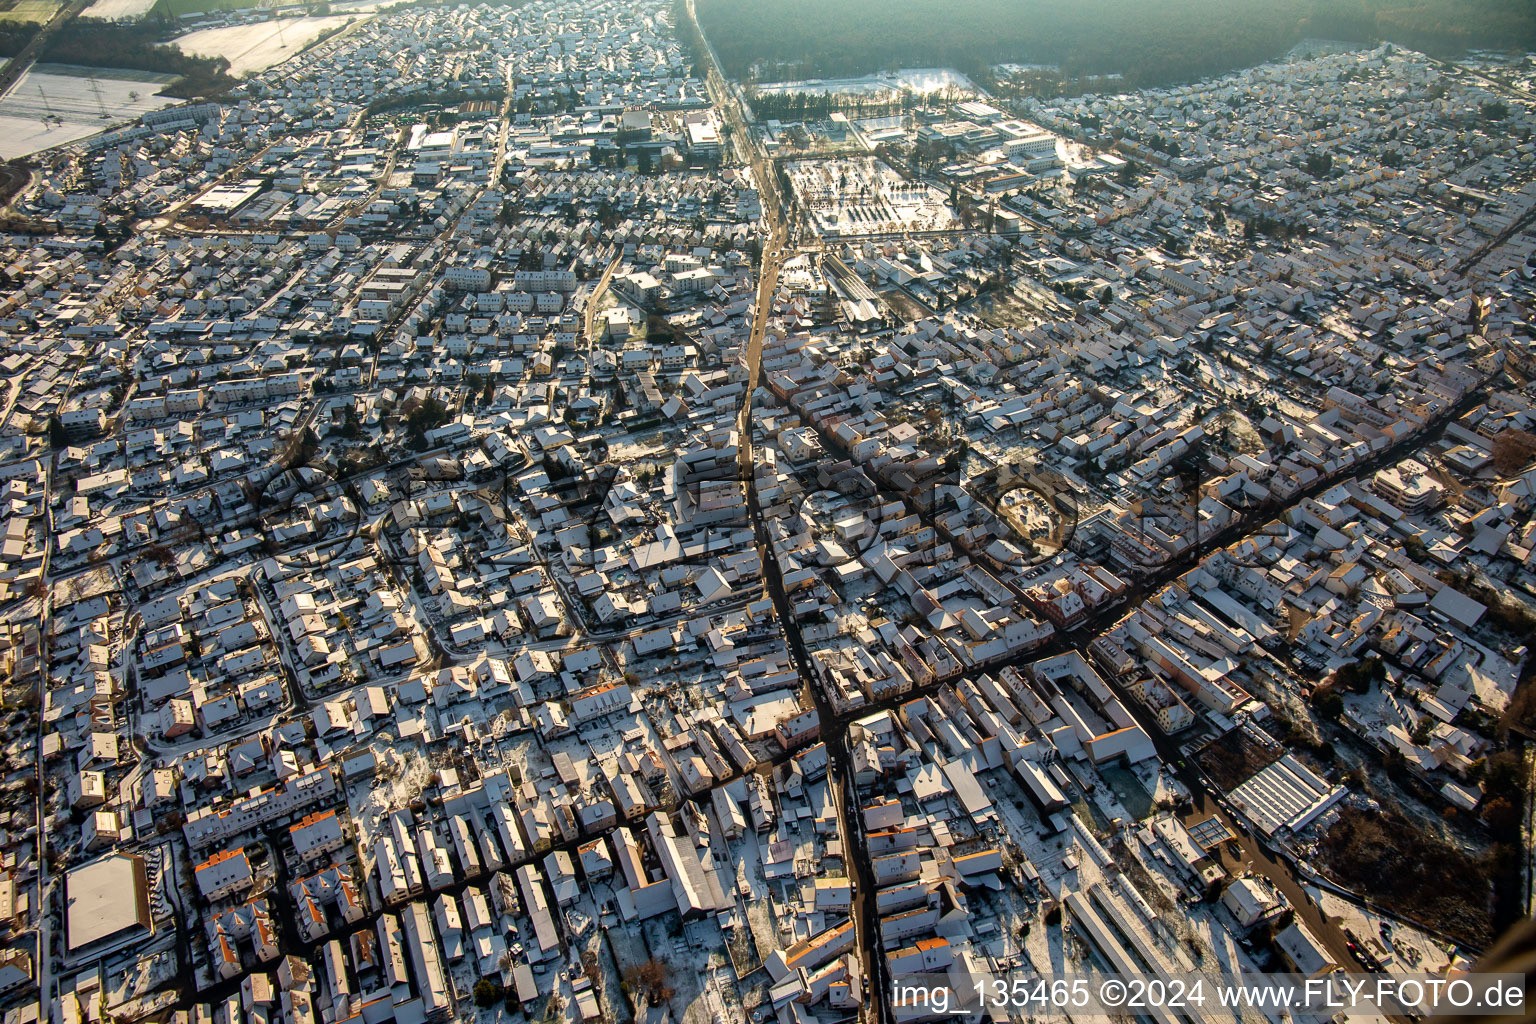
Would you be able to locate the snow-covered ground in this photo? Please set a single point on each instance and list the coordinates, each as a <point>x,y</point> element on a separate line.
<point>259,46</point>
<point>53,104</point>
<point>919,80</point>
<point>118,10</point>
<point>1410,950</point>
<point>31,10</point>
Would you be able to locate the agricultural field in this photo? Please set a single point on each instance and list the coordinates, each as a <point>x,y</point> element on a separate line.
<point>182,8</point>
<point>28,10</point>
<point>257,47</point>
<point>118,10</point>
<point>54,104</point>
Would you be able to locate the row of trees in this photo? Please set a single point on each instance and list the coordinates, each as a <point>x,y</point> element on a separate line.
<point>809,106</point>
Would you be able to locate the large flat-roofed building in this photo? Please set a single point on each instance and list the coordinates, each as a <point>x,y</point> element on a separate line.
<point>1409,486</point>
<point>224,200</point>
<point>107,901</point>
<point>635,126</point>
<point>703,135</point>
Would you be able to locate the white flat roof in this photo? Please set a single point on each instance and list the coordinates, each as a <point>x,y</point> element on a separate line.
<point>105,898</point>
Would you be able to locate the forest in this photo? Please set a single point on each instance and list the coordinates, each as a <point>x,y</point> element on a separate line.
<point>1149,42</point>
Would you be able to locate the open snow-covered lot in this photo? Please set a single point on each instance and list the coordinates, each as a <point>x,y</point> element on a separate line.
<point>259,46</point>
<point>118,10</point>
<point>29,10</point>
<point>57,103</point>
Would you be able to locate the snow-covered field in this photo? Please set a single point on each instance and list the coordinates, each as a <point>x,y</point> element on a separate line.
<point>258,47</point>
<point>918,80</point>
<point>55,103</point>
<point>118,10</point>
<point>31,10</point>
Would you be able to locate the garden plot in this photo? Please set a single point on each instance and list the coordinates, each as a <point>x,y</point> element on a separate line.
<point>53,104</point>
<point>257,47</point>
